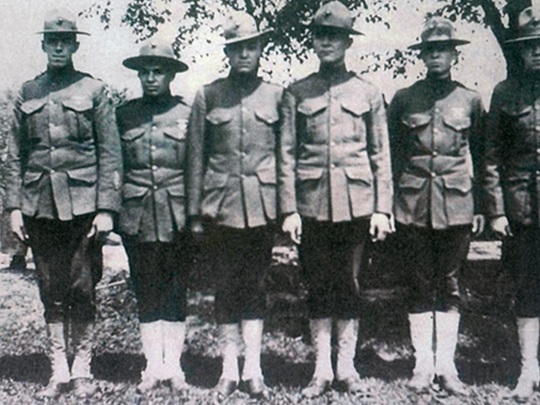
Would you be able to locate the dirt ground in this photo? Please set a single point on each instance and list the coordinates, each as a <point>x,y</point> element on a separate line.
<point>487,356</point>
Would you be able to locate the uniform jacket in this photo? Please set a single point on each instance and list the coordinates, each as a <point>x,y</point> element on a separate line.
<point>435,127</point>
<point>513,151</point>
<point>64,149</point>
<point>334,160</point>
<point>153,133</point>
<point>232,142</point>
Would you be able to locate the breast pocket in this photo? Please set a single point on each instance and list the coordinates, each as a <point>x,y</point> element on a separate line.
<point>176,138</point>
<point>459,125</point>
<point>30,110</point>
<point>78,117</point>
<point>352,122</point>
<point>311,116</point>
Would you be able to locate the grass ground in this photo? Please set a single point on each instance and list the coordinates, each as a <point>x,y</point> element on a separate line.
<point>487,354</point>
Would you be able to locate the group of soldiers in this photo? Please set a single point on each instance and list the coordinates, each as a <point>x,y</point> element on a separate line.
<point>322,161</point>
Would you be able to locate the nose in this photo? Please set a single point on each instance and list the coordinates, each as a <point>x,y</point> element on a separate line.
<point>151,77</point>
<point>536,49</point>
<point>59,45</point>
<point>244,52</point>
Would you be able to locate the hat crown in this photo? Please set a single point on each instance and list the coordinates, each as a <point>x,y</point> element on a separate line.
<point>238,25</point>
<point>333,14</point>
<point>529,22</point>
<point>438,29</point>
<point>157,48</point>
<point>60,21</point>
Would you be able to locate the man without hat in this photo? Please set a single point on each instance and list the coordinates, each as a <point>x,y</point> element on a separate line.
<point>63,187</point>
<point>436,136</point>
<point>335,189</point>
<point>513,153</point>
<point>232,187</point>
<point>152,219</point>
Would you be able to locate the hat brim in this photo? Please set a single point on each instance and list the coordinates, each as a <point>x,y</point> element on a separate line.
<point>63,32</point>
<point>139,62</point>
<point>248,37</point>
<point>427,44</point>
<point>349,31</point>
<point>522,39</point>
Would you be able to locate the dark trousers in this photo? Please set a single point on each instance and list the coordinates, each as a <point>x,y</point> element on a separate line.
<point>521,256</point>
<point>331,255</point>
<point>159,272</point>
<point>433,260</point>
<point>241,258</point>
<point>68,266</point>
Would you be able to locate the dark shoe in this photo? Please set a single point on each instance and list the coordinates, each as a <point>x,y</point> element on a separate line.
<point>83,387</point>
<point>255,387</point>
<point>226,387</point>
<point>353,385</point>
<point>420,383</point>
<point>453,385</point>
<point>18,262</point>
<point>178,384</point>
<point>147,384</point>
<point>52,391</point>
<point>316,387</point>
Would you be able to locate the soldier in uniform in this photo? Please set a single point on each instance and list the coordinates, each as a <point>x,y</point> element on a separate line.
<point>435,126</point>
<point>335,189</point>
<point>232,184</point>
<point>152,219</point>
<point>63,187</point>
<point>513,151</point>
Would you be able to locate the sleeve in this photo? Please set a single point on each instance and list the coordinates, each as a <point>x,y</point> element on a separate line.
<point>15,159</point>
<point>286,155</point>
<point>195,153</point>
<point>396,136</point>
<point>496,129</point>
<point>378,147</point>
<point>477,141</point>
<point>109,154</point>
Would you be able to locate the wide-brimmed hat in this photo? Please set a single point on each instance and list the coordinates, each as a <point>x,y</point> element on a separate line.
<point>155,50</point>
<point>438,31</point>
<point>240,26</point>
<point>61,22</point>
<point>335,15</point>
<point>528,27</point>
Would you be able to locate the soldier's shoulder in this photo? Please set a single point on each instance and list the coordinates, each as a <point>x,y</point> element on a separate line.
<point>35,81</point>
<point>180,102</point>
<point>128,106</point>
<point>466,89</point>
<point>303,83</point>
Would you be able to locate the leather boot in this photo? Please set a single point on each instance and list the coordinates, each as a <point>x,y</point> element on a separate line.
<point>447,327</point>
<point>252,333</point>
<point>421,328</point>
<point>528,332</point>
<point>321,337</point>
<point>174,334</point>
<point>60,377</point>
<point>82,334</point>
<point>152,346</point>
<point>229,336</point>
<point>347,336</point>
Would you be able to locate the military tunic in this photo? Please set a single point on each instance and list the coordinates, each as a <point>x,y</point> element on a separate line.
<point>63,165</point>
<point>436,132</point>
<point>152,219</point>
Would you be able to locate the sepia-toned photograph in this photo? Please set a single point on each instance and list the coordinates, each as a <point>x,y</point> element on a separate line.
<point>269,202</point>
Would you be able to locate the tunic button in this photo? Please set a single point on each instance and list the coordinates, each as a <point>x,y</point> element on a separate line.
<point>154,127</point>
<point>332,143</point>
<point>537,128</point>
<point>538,151</point>
<point>434,153</point>
<point>333,165</point>
<point>433,174</point>
<point>155,187</point>
<point>154,167</point>
<point>538,172</point>
<point>153,147</point>
<point>52,170</point>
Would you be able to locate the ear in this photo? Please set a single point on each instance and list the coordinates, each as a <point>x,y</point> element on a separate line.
<point>43,45</point>
<point>76,46</point>
<point>349,41</point>
<point>226,50</point>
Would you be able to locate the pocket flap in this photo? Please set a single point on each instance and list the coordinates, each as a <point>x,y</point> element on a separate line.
<point>267,175</point>
<point>354,106</point>
<point>416,120</point>
<point>176,190</point>
<point>215,180</point>
<point>460,183</point>
<point>31,177</point>
<point>270,116</point>
<point>176,132</point>
<point>358,173</point>
<point>312,106</point>
<point>78,104</point>
<point>408,181</point>
<point>309,173</point>
<point>31,106</point>
<point>85,174</point>
<point>219,116</point>
<point>130,190</point>
<point>457,123</point>
<point>133,134</point>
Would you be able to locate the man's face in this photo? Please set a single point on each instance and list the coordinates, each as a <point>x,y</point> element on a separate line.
<point>244,56</point>
<point>156,79</point>
<point>59,48</point>
<point>331,44</point>
<point>439,59</point>
<point>530,53</point>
